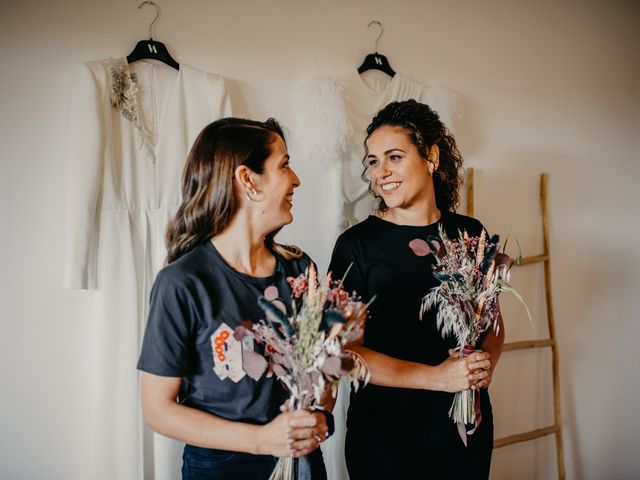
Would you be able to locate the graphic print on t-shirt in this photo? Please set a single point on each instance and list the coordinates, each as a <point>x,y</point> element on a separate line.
<point>419,247</point>
<point>271,293</point>
<point>227,353</point>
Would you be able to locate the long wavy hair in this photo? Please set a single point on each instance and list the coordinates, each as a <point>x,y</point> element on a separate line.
<point>209,202</point>
<point>425,129</point>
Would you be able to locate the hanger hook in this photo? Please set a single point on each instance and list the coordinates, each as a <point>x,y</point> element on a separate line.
<point>149,2</point>
<point>376,22</point>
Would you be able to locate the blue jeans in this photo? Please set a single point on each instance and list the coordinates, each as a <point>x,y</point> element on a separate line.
<point>211,464</point>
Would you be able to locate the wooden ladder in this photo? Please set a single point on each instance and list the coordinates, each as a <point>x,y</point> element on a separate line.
<point>546,342</point>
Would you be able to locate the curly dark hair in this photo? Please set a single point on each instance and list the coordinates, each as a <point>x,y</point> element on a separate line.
<point>425,129</point>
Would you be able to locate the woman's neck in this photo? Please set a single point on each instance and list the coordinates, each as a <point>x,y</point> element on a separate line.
<point>416,215</point>
<point>243,247</point>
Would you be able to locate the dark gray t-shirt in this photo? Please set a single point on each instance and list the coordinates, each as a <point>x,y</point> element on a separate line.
<point>196,303</point>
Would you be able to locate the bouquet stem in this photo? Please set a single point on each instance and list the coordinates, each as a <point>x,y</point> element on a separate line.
<point>289,468</point>
<point>463,408</point>
<point>284,469</point>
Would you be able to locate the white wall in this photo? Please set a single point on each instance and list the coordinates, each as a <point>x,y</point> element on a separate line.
<point>544,86</point>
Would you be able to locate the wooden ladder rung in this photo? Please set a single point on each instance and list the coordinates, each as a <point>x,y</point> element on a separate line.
<point>532,259</point>
<point>522,437</point>
<point>546,342</point>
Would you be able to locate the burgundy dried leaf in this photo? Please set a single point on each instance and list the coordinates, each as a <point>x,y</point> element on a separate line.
<point>347,362</point>
<point>502,259</point>
<point>239,333</point>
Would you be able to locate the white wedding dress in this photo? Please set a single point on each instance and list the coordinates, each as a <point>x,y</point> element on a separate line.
<point>131,127</point>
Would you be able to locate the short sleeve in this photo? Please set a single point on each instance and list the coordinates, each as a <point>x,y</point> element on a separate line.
<point>304,262</point>
<point>347,259</point>
<point>321,130</point>
<point>476,227</point>
<point>458,224</point>
<point>168,344</point>
<point>444,102</point>
<point>220,97</point>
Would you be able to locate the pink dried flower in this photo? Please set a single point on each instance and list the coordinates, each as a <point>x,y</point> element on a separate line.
<point>299,285</point>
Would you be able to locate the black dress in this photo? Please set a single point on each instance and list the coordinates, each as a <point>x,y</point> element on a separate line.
<point>395,432</point>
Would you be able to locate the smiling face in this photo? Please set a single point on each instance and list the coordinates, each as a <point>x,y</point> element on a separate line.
<point>397,171</point>
<point>277,182</point>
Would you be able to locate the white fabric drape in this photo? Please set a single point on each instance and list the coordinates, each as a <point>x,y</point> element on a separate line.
<point>332,117</point>
<point>123,185</point>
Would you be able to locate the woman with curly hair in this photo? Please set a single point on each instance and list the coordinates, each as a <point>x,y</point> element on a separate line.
<point>399,424</point>
<point>237,193</point>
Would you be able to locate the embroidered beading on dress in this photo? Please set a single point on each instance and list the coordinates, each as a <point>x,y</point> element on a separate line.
<point>123,99</point>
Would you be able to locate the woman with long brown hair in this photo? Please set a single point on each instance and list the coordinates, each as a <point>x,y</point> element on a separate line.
<point>237,194</point>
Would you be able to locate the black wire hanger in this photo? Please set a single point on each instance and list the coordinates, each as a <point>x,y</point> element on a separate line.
<point>152,49</point>
<point>376,61</point>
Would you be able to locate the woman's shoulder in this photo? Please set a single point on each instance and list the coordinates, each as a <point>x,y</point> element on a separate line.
<point>184,270</point>
<point>360,229</point>
<point>294,259</point>
<point>471,225</point>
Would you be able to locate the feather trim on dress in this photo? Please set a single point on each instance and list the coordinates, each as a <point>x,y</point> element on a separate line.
<point>444,102</point>
<point>322,121</point>
<point>123,98</point>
